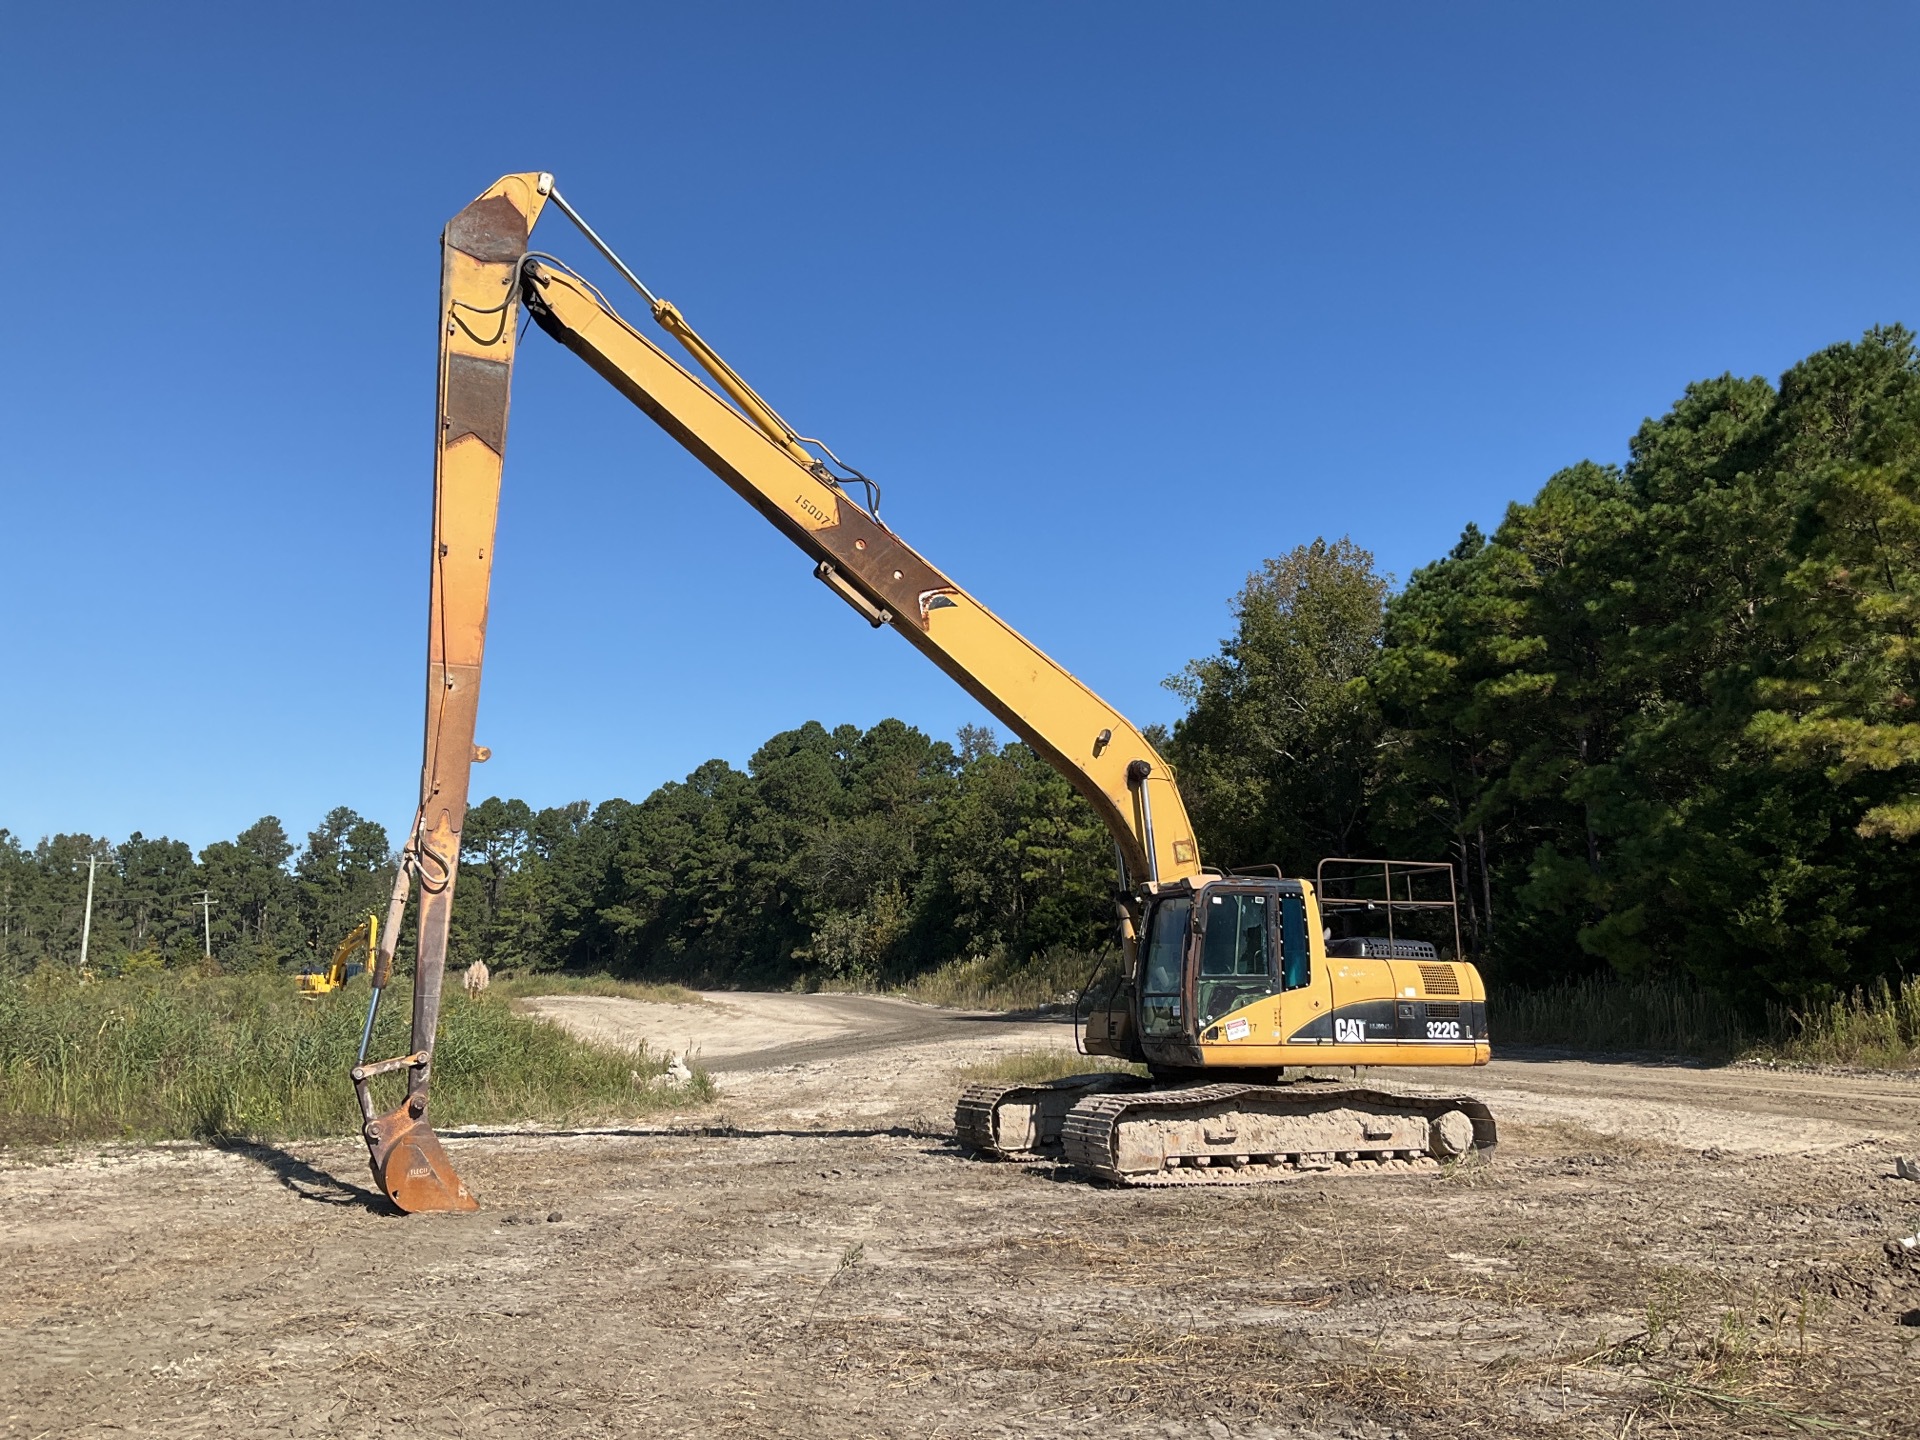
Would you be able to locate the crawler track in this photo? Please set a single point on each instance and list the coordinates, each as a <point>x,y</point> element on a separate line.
<point>1249,1134</point>
<point>1023,1122</point>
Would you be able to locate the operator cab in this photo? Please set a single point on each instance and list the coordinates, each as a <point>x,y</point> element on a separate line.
<point>1214,949</point>
<point>1241,938</point>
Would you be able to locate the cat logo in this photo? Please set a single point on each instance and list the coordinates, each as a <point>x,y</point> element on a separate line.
<point>1349,1030</point>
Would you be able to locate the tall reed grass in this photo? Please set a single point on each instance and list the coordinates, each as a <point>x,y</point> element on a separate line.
<point>993,982</point>
<point>1874,1028</point>
<point>1603,1012</point>
<point>1878,1027</point>
<point>177,1056</point>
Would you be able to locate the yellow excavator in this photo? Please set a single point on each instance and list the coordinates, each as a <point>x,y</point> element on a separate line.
<point>1249,1012</point>
<point>363,938</point>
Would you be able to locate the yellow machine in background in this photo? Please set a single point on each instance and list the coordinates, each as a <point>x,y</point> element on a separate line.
<point>364,937</point>
<point>1236,988</point>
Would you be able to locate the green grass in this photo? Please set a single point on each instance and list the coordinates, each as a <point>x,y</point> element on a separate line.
<point>1035,1067</point>
<point>526,987</point>
<point>177,1056</point>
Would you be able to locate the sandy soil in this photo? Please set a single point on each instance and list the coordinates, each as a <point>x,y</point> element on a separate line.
<point>1654,1250</point>
<point>740,1032</point>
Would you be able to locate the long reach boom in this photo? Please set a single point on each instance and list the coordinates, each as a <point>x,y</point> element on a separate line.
<point>488,275</point>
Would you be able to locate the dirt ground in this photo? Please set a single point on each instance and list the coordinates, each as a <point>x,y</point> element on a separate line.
<point>1653,1250</point>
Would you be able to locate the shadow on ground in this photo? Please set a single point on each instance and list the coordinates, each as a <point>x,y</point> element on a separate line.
<point>695,1132</point>
<point>306,1180</point>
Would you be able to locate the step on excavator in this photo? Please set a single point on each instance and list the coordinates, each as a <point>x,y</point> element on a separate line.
<point>1250,998</point>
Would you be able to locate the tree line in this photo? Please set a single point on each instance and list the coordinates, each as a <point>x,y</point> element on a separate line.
<point>269,905</point>
<point>1661,721</point>
<point>838,855</point>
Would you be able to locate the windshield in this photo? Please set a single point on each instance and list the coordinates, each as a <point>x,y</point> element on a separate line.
<point>1234,958</point>
<point>1236,936</point>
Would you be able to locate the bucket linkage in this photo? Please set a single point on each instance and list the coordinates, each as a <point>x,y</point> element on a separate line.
<point>409,1163</point>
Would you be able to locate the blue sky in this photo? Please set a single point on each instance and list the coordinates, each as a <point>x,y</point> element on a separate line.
<point>1116,300</point>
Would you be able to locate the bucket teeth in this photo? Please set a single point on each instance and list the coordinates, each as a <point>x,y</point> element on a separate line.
<point>411,1166</point>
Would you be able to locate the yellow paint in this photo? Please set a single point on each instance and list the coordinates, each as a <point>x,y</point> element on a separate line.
<point>364,936</point>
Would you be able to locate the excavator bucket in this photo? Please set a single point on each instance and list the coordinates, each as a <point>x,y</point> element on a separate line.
<point>411,1165</point>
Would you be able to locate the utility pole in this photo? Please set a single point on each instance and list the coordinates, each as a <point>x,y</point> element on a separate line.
<point>86,923</point>
<point>206,920</point>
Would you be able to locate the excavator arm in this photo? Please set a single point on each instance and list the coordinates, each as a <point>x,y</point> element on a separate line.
<point>487,275</point>
<point>889,583</point>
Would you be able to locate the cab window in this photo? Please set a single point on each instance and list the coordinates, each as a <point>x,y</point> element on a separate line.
<point>1235,958</point>
<point>1236,936</point>
<point>1296,959</point>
